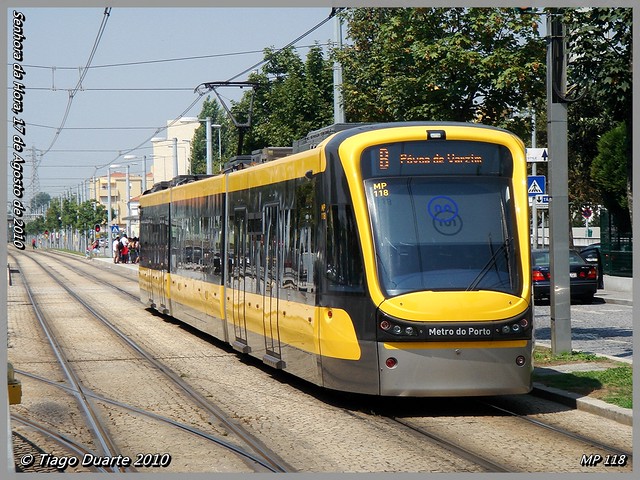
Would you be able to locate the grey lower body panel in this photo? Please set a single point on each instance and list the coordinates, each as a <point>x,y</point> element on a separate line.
<point>449,371</point>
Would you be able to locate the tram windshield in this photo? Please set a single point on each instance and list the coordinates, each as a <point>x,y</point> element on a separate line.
<point>444,232</point>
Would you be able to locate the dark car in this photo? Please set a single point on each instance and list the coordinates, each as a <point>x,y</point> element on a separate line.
<point>592,255</point>
<point>583,276</point>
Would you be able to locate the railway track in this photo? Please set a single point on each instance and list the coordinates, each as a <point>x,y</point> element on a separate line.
<point>323,431</point>
<point>606,448</point>
<point>253,452</point>
<point>536,438</point>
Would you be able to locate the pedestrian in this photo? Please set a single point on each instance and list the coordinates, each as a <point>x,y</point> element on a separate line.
<point>133,250</point>
<point>600,269</point>
<point>116,249</point>
<point>124,252</point>
<point>33,243</point>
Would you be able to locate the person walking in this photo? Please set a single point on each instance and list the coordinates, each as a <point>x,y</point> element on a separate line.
<point>124,250</point>
<point>116,249</point>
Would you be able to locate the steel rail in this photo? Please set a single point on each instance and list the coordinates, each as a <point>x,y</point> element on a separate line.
<point>462,452</point>
<point>57,437</point>
<point>188,428</point>
<point>273,461</point>
<point>576,436</point>
<point>101,435</point>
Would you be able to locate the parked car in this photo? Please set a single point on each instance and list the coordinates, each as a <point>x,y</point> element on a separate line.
<point>583,276</point>
<point>592,254</point>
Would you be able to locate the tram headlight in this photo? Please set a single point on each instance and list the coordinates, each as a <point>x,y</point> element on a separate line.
<point>397,328</point>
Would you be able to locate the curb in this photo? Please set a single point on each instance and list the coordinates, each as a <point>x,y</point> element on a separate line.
<point>617,301</point>
<point>585,404</point>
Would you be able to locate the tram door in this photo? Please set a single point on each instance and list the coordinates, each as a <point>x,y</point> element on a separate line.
<point>238,272</point>
<point>271,273</point>
<point>161,254</point>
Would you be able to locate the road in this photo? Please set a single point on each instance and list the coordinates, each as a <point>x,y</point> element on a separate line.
<point>600,328</point>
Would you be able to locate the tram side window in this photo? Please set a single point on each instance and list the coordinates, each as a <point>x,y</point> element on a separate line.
<point>153,238</point>
<point>211,240</point>
<point>344,260</point>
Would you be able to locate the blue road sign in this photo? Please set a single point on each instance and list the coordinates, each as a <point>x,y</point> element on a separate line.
<point>536,185</point>
<point>115,229</point>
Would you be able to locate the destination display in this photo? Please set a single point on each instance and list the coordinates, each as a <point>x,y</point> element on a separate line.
<point>436,158</point>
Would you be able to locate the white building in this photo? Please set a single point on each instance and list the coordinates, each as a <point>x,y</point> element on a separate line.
<point>175,148</point>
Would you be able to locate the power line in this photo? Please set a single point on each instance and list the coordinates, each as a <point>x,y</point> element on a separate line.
<point>27,124</point>
<point>166,60</point>
<point>200,94</point>
<point>290,44</point>
<point>129,89</point>
<point>103,25</point>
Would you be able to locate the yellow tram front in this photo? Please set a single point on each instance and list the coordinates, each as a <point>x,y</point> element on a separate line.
<point>442,216</point>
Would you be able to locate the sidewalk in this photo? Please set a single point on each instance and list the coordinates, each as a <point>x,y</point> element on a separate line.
<point>614,296</point>
<point>617,291</point>
<point>109,261</point>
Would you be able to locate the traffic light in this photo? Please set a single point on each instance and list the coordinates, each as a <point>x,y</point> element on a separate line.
<point>97,228</point>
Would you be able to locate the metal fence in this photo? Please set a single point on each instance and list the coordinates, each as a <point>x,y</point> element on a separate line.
<point>616,248</point>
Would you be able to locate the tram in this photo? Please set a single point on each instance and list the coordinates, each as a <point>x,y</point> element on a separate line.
<point>388,259</point>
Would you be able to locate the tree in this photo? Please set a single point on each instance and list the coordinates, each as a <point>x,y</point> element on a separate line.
<point>211,109</point>
<point>89,214</point>
<point>39,200</point>
<point>600,42</point>
<point>36,226</point>
<point>294,98</point>
<point>53,220</point>
<point>609,170</point>
<point>456,64</point>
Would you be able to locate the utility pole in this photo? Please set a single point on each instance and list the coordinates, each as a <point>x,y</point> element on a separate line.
<point>338,105</point>
<point>559,185</point>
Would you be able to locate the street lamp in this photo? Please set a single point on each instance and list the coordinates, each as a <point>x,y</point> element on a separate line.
<point>175,156</point>
<point>209,126</point>
<point>219,127</point>
<point>129,200</point>
<point>144,169</point>
<point>187,155</point>
<point>109,216</point>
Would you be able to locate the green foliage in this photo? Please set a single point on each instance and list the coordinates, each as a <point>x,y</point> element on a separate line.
<point>545,356</point>
<point>609,168</point>
<point>40,199</point>
<point>295,98</point>
<point>613,385</point>
<point>600,44</point>
<point>210,109</point>
<point>458,64</point>
<point>82,217</point>
<point>600,41</point>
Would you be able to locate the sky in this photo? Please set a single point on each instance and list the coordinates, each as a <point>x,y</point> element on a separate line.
<point>141,76</point>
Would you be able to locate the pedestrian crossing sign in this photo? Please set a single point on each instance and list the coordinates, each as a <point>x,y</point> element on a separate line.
<point>536,185</point>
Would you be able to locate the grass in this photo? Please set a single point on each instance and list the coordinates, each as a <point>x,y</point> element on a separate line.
<point>613,385</point>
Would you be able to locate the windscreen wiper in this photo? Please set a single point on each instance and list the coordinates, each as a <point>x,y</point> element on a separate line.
<point>492,261</point>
